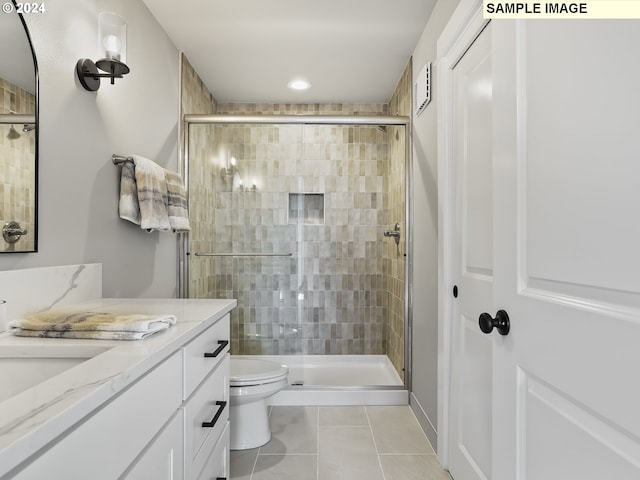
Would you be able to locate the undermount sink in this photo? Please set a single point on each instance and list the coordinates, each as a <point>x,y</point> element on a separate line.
<point>24,366</point>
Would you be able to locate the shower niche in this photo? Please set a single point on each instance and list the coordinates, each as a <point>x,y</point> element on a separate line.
<point>306,208</point>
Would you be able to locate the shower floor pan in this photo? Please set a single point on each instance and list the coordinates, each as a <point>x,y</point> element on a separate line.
<point>339,380</point>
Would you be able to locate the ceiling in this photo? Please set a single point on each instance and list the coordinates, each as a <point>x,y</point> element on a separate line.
<point>247,51</point>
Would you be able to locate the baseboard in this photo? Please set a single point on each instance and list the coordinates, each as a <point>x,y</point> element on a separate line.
<point>425,423</point>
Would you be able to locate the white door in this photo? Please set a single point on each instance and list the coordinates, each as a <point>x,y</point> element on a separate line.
<point>567,249</point>
<point>472,262</point>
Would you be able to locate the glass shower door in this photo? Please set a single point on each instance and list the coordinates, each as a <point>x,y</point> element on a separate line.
<point>243,244</point>
<point>289,219</point>
<point>352,290</point>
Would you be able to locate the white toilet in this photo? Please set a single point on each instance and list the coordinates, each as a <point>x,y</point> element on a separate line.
<point>251,382</point>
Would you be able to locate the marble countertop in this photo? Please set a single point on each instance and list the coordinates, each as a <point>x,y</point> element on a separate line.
<point>35,417</point>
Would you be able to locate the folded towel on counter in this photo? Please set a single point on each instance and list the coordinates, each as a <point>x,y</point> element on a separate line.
<point>67,323</point>
<point>150,194</point>
<point>177,202</point>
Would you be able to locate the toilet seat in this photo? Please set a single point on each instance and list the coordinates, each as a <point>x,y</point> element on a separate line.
<point>248,371</point>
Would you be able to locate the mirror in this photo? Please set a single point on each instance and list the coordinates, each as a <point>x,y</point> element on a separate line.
<point>18,137</point>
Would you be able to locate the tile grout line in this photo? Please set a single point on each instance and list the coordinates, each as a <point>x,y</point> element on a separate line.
<point>255,462</point>
<point>375,444</point>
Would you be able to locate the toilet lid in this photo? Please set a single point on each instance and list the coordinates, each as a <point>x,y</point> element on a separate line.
<point>246,371</point>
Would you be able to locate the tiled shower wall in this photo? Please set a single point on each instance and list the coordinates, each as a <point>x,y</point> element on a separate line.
<point>346,297</point>
<point>196,98</point>
<point>394,255</point>
<point>17,175</point>
<point>329,296</point>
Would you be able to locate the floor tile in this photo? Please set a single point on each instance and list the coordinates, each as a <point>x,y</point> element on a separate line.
<point>396,430</point>
<point>351,443</point>
<point>412,467</point>
<point>343,417</point>
<point>242,462</point>
<point>342,443</point>
<point>346,453</point>
<point>293,430</point>
<point>286,467</point>
<point>350,468</point>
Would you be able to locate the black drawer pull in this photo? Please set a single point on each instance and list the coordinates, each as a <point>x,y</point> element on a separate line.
<point>222,344</point>
<point>221,478</point>
<point>215,418</point>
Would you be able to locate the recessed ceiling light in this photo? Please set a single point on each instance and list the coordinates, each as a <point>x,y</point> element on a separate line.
<point>299,84</point>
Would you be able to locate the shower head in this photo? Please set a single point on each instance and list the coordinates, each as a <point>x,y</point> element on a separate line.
<point>28,127</point>
<point>13,133</point>
<point>382,128</point>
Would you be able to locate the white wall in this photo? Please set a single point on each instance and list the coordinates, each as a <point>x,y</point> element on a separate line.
<point>424,398</point>
<point>79,130</point>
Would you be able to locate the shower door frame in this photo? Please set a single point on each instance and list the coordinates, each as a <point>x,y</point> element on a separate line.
<point>354,120</point>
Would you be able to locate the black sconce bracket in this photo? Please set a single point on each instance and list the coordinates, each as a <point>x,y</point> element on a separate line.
<point>89,74</point>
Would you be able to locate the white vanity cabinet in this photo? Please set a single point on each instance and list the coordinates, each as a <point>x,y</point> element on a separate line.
<point>163,459</point>
<point>172,423</point>
<point>206,402</point>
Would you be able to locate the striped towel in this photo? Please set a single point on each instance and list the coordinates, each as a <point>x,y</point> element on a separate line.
<point>147,187</point>
<point>69,323</point>
<point>128,207</point>
<point>177,202</point>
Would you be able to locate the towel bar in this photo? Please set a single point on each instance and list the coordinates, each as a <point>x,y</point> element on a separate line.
<point>243,254</point>
<point>120,159</point>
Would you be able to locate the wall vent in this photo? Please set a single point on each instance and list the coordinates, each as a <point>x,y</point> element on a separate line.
<point>422,89</point>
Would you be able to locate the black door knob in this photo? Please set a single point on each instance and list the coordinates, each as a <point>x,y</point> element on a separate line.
<point>501,322</point>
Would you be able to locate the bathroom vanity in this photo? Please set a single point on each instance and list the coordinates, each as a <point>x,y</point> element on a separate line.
<point>154,408</point>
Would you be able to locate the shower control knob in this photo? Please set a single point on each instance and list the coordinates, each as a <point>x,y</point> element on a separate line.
<point>12,231</point>
<point>501,322</point>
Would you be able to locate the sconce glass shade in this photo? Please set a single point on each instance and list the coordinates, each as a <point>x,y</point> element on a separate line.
<point>112,37</point>
<point>112,45</point>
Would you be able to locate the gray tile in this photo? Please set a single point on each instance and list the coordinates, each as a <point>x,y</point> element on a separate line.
<point>242,462</point>
<point>293,430</point>
<point>350,468</point>
<point>343,417</point>
<point>343,443</point>
<point>412,467</point>
<point>396,430</point>
<point>286,467</point>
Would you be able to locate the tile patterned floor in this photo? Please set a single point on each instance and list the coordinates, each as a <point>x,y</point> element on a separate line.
<point>340,443</point>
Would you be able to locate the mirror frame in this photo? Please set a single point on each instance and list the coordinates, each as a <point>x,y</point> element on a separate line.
<point>36,132</point>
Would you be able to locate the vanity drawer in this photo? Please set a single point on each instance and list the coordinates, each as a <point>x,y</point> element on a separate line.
<point>214,342</point>
<point>206,415</point>
<point>217,465</point>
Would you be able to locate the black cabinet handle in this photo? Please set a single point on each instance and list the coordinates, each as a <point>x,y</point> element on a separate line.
<point>222,344</point>
<point>221,478</point>
<point>215,418</point>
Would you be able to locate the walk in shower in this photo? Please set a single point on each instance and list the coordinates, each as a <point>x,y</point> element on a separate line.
<point>302,219</point>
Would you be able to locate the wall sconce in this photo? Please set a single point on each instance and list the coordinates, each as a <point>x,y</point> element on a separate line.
<point>112,43</point>
<point>231,168</point>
